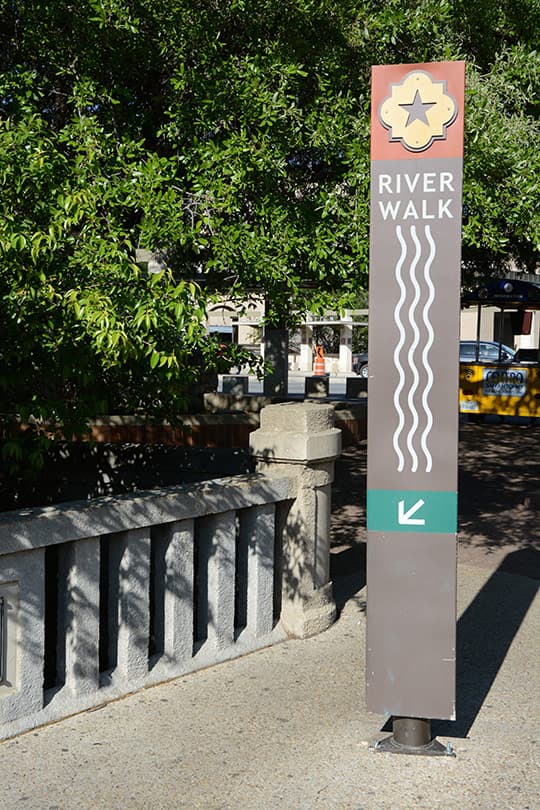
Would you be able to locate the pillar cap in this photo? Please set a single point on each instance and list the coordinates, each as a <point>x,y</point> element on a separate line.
<point>298,432</point>
<point>298,417</point>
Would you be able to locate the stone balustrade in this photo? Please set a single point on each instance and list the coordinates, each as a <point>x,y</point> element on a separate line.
<point>101,598</point>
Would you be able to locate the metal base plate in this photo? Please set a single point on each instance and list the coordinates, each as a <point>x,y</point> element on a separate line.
<point>433,749</point>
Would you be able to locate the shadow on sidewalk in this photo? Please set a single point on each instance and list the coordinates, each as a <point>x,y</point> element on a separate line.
<point>485,632</point>
<point>348,573</point>
<point>498,521</point>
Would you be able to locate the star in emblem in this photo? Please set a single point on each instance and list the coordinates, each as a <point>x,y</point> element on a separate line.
<point>408,121</point>
<point>418,109</point>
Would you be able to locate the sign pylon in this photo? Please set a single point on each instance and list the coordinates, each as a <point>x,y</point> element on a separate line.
<point>413,391</point>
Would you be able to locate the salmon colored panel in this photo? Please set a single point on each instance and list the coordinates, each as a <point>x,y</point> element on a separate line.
<point>383,76</point>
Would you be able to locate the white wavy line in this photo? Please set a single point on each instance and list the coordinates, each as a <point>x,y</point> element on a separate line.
<point>412,349</point>
<point>397,350</point>
<point>427,347</point>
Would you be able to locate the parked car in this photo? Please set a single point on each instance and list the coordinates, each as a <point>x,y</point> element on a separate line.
<point>359,364</point>
<point>488,352</point>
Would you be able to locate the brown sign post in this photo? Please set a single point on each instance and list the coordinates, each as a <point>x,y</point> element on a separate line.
<point>415,250</point>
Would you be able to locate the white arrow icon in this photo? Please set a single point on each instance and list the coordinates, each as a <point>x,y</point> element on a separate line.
<point>405,517</point>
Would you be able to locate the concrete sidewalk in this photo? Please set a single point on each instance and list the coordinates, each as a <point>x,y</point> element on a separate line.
<point>286,728</point>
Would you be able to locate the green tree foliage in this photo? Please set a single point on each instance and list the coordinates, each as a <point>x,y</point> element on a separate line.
<point>234,138</point>
<point>502,166</point>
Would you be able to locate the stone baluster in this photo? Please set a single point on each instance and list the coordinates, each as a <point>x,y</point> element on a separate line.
<point>22,585</point>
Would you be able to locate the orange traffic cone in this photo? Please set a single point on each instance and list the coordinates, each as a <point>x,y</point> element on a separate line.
<point>318,368</point>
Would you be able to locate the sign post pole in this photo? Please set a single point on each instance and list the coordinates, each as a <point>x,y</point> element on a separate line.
<point>413,393</point>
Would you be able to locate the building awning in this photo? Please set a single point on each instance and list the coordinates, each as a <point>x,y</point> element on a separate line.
<point>507,293</point>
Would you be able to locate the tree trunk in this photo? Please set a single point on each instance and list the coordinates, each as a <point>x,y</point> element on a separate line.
<point>276,352</point>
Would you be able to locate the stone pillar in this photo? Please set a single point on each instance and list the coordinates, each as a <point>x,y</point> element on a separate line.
<point>306,348</point>
<point>299,440</point>
<point>345,348</point>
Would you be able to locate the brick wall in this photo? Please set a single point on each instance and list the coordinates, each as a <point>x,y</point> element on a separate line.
<point>223,430</point>
<point>209,431</point>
